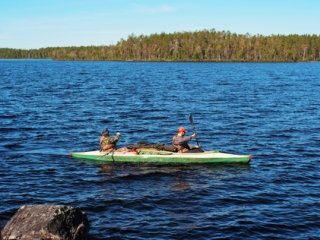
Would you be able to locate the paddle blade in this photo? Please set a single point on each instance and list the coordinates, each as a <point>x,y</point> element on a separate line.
<point>191,119</point>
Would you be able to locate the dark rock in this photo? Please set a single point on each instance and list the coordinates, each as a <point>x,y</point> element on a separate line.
<point>44,222</point>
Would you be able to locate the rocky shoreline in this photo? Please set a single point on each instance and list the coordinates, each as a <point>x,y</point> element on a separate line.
<point>54,222</point>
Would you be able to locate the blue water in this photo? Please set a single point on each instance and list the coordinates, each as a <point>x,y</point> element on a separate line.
<point>269,110</point>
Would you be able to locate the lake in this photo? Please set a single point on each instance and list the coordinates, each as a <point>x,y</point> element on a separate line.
<point>270,110</point>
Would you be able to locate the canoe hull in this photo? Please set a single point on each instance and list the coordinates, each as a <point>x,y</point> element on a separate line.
<point>206,157</point>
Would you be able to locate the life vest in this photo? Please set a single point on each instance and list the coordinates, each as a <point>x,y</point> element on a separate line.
<point>183,145</point>
<point>108,143</point>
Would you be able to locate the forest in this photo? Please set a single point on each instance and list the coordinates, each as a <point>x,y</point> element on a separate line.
<point>197,46</point>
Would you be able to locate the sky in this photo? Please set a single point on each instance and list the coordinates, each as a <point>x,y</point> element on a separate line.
<point>32,24</point>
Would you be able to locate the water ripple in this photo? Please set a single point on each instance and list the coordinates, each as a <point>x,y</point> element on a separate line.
<point>50,108</point>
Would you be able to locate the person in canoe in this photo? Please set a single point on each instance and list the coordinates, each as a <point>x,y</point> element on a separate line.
<point>181,143</point>
<point>108,143</point>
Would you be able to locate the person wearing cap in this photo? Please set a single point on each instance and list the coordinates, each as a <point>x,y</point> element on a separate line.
<point>180,142</point>
<point>108,143</point>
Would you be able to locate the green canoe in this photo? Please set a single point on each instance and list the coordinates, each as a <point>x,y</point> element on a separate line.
<point>163,157</point>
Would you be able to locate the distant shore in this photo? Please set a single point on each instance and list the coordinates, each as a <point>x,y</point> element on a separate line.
<point>199,46</point>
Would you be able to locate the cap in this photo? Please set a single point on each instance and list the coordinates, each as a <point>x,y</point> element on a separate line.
<point>182,130</point>
<point>105,131</point>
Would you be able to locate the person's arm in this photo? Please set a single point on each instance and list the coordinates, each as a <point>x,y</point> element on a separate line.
<point>178,141</point>
<point>115,138</point>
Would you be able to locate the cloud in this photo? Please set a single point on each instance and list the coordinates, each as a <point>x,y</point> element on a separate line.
<point>153,9</point>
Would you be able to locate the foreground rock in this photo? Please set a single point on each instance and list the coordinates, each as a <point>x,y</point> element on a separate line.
<point>54,222</point>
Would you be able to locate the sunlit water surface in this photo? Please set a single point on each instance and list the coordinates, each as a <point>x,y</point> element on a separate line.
<point>272,111</point>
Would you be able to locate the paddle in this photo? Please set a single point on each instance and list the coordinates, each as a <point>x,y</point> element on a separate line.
<point>194,128</point>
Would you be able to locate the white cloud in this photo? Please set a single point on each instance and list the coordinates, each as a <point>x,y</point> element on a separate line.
<point>153,9</point>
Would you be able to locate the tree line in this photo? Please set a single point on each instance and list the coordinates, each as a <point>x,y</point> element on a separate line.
<point>205,45</point>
